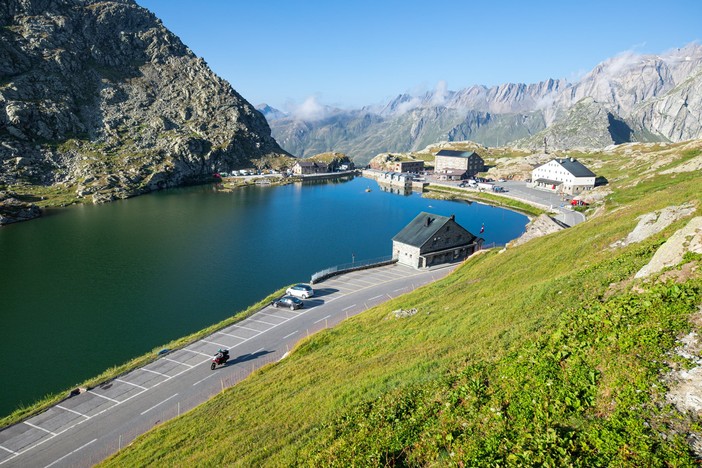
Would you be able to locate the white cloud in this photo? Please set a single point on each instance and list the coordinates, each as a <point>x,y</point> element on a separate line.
<point>311,109</point>
<point>408,105</point>
<point>440,94</point>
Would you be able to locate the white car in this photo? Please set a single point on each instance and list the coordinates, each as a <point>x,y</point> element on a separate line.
<point>300,290</point>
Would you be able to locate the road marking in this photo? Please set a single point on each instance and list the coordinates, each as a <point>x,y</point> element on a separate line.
<point>233,336</point>
<point>198,352</point>
<point>202,380</point>
<point>69,454</point>
<point>376,297</point>
<point>177,362</point>
<point>401,289</point>
<point>291,334</point>
<point>349,307</point>
<point>72,411</point>
<point>261,321</point>
<point>40,428</point>
<point>259,350</point>
<point>133,384</point>
<point>154,372</point>
<point>157,404</point>
<point>215,343</point>
<point>102,396</point>
<point>323,318</point>
<point>246,328</point>
<point>8,450</point>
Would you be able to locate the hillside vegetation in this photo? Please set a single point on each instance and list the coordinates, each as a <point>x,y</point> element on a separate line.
<point>550,353</point>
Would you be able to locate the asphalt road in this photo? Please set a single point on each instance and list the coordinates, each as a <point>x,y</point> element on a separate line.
<point>547,200</point>
<point>550,200</point>
<point>86,428</point>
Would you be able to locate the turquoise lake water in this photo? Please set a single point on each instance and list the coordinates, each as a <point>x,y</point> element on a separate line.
<point>88,287</point>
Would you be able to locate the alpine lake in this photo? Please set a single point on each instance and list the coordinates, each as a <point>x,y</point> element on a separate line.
<point>88,287</point>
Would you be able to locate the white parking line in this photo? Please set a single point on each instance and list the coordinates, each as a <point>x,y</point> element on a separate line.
<point>102,396</point>
<point>198,352</point>
<point>323,318</point>
<point>233,336</point>
<point>349,307</point>
<point>289,335</point>
<point>157,404</point>
<point>154,372</point>
<point>8,450</point>
<point>376,297</point>
<point>40,428</point>
<point>261,321</point>
<point>259,350</point>
<point>178,362</point>
<point>401,289</point>
<point>69,454</point>
<point>245,328</point>
<point>72,411</point>
<point>202,380</point>
<point>133,384</point>
<point>215,343</point>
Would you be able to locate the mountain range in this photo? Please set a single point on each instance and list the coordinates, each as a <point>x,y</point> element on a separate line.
<point>630,97</point>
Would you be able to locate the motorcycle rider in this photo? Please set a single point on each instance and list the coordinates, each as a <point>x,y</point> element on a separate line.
<point>221,354</point>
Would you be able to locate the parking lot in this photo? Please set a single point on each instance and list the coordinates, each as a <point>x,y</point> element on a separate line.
<point>85,428</point>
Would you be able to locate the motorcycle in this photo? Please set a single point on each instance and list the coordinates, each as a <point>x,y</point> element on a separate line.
<point>220,358</point>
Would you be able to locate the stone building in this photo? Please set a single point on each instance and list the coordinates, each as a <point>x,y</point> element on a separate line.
<point>431,240</point>
<point>411,166</point>
<point>563,175</point>
<point>468,161</point>
<point>309,167</point>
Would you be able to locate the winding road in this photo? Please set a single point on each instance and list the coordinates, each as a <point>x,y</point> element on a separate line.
<point>85,429</point>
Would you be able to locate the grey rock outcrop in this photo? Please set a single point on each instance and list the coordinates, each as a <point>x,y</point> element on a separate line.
<point>13,210</point>
<point>540,226</point>
<point>98,96</point>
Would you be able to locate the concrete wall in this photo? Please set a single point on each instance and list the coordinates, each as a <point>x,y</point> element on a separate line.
<point>406,254</point>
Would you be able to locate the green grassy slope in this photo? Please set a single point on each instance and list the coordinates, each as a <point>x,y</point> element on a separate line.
<point>548,353</point>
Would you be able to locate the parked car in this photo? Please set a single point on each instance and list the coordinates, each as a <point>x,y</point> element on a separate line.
<point>290,302</point>
<point>300,290</point>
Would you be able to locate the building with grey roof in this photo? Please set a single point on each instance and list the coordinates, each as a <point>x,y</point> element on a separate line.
<point>430,240</point>
<point>468,161</point>
<point>563,175</point>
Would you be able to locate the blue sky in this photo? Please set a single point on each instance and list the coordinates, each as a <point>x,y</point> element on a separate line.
<point>350,54</point>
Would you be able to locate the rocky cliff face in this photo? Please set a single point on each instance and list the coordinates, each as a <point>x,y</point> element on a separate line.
<point>630,97</point>
<point>98,97</point>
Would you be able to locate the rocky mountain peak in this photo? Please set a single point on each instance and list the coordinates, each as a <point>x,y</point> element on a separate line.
<point>98,96</point>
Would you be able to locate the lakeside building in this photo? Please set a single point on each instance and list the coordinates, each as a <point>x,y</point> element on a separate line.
<point>449,160</point>
<point>563,175</point>
<point>412,166</point>
<point>309,167</point>
<point>430,240</point>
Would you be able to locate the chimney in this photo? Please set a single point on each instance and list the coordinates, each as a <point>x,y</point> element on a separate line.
<point>572,159</point>
<point>453,217</point>
<point>427,221</point>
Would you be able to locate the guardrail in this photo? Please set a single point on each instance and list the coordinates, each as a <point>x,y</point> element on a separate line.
<point>353,266</point>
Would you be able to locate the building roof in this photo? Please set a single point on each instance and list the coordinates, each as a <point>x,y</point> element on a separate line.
<point>422,228</point>
<point>311,164</point>
<point>575,167</point>
<point>456,154</point>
